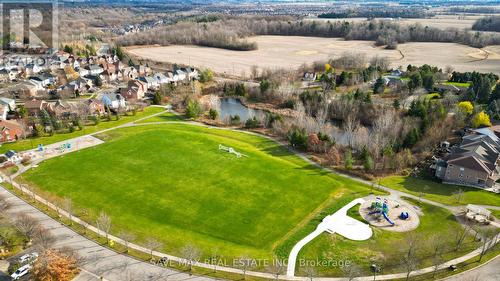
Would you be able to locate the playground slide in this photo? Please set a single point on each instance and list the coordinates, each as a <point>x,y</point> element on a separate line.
<point>387,218</point>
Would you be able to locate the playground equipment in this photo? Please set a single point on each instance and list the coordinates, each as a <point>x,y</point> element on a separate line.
<point>404,215</point>
<point>40,148</point>
<point>231,150</point>
<point>65,146</point>
<point>379,208</point>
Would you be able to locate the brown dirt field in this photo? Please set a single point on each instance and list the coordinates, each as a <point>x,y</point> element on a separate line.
<point>292,51</point>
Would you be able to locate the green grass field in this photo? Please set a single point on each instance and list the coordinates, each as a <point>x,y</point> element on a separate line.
<point>33,142</point>
<point>172,182</point>
<point>458,84</point>
<point>385,247</point>
<point>442,193</point>
<point>167,116</point>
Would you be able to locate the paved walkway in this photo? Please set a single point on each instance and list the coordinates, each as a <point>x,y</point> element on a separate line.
<point>339,223</point>
<point>111,263</point>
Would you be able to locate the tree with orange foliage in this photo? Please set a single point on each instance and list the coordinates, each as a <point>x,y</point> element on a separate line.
<point>55,265</point>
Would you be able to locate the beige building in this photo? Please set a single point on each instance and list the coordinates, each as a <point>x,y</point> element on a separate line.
<point>475,162</point>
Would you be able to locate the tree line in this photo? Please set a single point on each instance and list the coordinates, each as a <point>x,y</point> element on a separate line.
<point>487,24</point>
<point>230,33</point>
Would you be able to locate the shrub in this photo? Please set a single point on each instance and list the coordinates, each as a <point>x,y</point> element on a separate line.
<point>481,120</point>
<point>297,138</point>
<point>466,107</point>
<point>234,120</point>
<point>252,123</point>
<point>213,114</point>
<point>348,161</point>
<point>206,75</point>
<point>193,109</point>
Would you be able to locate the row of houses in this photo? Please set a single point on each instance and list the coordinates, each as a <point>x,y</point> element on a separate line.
<point>68,75</point>
<point>474,162</point>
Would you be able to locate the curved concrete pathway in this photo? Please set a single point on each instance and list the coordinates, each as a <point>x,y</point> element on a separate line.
<point>339,223</point>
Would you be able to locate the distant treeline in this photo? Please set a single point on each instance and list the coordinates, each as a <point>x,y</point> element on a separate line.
<point>231,33</point>
<point>385,12</point>
<point>487,24</point>
<point>474,10</point>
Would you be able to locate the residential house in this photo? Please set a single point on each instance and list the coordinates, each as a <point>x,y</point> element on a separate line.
<point>4,110</point>
<point>34,107</point>
<point>82,71</point>
<point>45,79</point>
<point>181,74</point>
<point>142,70</point>
<point>32,69</point>
<point>393,81</point>
<point>95,107</point>
<point>150,81</point>
<point>192,73</point>
<point>161,78</point>
<point>450,88</point>
<point>114,101</point>
<point>136,90</point>
<point>475,162</point>
<point>94,69</point>
<point>9,103</point>
<point>397,73</point>
<point>63,109</point>
<point>8,74</point>
<point>109,75</point>
<point>129,73</point>
<point>11,131</point>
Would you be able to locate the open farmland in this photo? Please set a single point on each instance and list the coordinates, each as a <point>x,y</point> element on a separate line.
<point>439,21</point>
<point>293,51</point>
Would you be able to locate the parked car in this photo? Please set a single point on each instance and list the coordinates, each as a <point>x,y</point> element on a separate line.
<point>20,272</point>
<point>28,257</point>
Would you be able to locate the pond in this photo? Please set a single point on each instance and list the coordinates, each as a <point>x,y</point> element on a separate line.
<point>231,107</point>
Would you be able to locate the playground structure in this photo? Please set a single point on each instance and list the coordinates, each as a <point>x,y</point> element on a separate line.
<point>231,151</point>
<point>383,209</point>
<point>392,214</point>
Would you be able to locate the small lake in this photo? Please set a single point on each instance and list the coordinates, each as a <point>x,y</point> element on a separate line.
<point>231,107</point>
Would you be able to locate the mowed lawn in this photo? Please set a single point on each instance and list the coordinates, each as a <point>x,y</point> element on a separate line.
<point>172,182</point>
<point>443,193</point>
<point>30,143</point>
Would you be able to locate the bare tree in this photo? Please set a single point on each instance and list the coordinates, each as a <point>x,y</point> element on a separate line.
<point>84,214</point>
<point>153,245</point>
<point>245,263</point>
<point>276,268</point>
<point>104,224</point>
<point>4,205</point>
<point>191,254</point>
<point>488,238</point>
<point>27,225</point>
<point>311,272</point>
<point>409,259</point>
<point>460,236</point>
<point>436,246</point>
<point>68,206</point>
<point>127,237</point>
<point>351,124</point>
<point>351,271</point>
<point>43,239</point>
